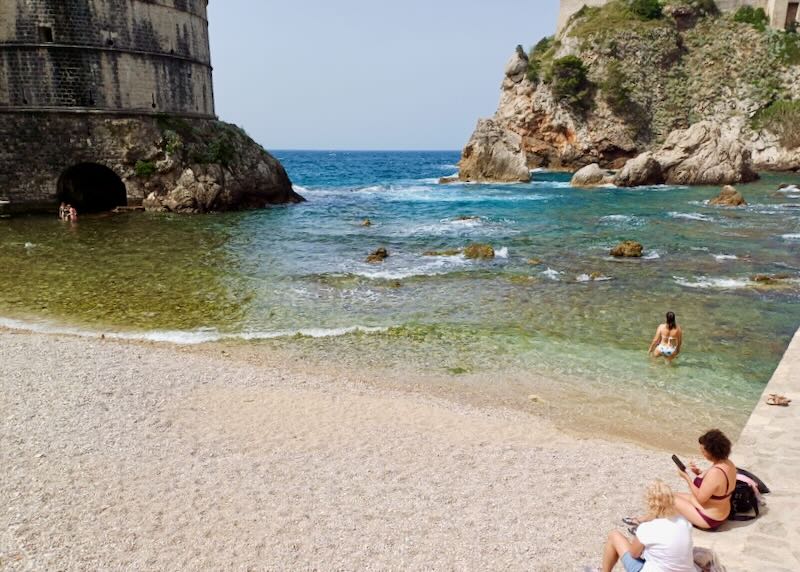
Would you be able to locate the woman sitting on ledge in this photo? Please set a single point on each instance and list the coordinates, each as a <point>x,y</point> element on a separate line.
<point>708,503</point>
<point>662,543</point>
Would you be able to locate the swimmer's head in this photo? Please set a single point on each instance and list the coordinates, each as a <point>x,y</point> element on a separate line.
<point>671,320</point>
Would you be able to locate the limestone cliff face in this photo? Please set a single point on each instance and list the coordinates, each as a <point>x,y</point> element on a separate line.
<point>647,79</point>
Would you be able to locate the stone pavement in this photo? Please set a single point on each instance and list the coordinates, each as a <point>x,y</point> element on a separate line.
<point>770,447</point>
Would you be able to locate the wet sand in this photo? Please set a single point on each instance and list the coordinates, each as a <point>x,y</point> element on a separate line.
<point>140,456</point>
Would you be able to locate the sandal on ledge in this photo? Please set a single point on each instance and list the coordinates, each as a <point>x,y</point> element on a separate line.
<point>631,521</point>
<point>775,399</point>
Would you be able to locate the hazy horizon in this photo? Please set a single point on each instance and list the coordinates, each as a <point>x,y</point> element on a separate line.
<point>410,77</point>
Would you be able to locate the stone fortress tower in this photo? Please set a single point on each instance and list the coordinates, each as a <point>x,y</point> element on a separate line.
<point>780,12</point>
<point>105,102</point>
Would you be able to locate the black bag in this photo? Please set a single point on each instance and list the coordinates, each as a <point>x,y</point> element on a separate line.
<point>743,502</point>
<point>762,488</point>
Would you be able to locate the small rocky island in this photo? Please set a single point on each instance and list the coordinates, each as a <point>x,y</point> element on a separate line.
<point>645,93</point>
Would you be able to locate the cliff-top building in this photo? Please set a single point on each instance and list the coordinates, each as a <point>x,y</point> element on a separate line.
<point>781,13</point>
<point>87,89</point>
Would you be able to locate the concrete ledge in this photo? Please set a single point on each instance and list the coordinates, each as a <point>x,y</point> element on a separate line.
<point>770,447</point>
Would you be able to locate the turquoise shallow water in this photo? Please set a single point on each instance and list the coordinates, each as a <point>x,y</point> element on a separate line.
<point>270,274</point>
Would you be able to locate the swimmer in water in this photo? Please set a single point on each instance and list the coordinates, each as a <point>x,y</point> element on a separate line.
<point>668,339</point>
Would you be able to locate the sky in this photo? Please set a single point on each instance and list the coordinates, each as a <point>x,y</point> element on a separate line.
<point>366,74</point>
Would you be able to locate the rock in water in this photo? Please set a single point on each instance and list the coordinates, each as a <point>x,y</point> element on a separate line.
<point>627,249</point>
<point>705,154</point>
<point>198,166</point>
<point>493,154</point>
<point>641,170</point>
<point>479,251</point>
<point>378,256</point>
<point>728,197</point>
<point>591,176</point>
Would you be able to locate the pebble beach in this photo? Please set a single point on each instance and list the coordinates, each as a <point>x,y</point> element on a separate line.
<point>122,455</point>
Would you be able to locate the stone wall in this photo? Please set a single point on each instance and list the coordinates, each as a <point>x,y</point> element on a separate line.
<point>145,56</point>
<point>182,164</point>
<point>39,146</point>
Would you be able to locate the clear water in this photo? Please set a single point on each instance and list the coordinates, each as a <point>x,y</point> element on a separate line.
<point>503,328</point>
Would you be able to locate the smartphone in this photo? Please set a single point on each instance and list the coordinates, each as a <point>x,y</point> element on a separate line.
<point>678,462</point>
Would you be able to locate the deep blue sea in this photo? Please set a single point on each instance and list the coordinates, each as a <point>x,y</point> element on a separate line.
<point>552,314</point>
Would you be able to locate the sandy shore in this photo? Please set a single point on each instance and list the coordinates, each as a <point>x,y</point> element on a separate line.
<point>150,457</point>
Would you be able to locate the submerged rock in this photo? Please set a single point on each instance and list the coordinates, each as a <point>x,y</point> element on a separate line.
<point>728,197</point>
<point>366,222</point>
<point>479,251</point>
<point>493,154</point>
<point>591,176</point>
<point>448,252</point>
<point>448,180</point>
<point>378,256</point>
<point>627,249</point>
<point>770,278</point>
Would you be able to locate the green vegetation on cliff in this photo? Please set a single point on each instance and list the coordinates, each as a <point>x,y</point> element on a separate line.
<point>660,66</point>
<point>570,84</point>
<point>783,119</point>
<point>756,17</point>
<point>616,15</point>
<point>540,57</point>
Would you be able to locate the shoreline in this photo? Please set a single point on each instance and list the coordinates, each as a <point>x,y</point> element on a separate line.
<point>139,455</point>
<point>572,406</point>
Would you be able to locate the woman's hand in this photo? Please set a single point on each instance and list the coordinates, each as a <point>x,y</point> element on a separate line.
<point>694,468</point>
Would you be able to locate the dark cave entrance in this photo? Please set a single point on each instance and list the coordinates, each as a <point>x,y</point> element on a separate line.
<point>91,188</point>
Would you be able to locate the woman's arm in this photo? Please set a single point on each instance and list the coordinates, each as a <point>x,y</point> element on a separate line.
<point>655,341</point>
<point>679,335</point>
<point>636,548</point>
<point>702,493</point>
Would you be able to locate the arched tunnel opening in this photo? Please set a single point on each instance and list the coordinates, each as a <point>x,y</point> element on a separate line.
<point>91,188</point>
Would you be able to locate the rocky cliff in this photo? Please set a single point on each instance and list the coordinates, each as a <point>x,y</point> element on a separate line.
<point>197,166</point>
<point>615,84</point>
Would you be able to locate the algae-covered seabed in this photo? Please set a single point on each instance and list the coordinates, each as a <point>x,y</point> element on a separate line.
<point>526,323</point>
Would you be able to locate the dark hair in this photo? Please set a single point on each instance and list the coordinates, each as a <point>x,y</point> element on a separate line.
<point>671,320</point>
<point>716,444</point>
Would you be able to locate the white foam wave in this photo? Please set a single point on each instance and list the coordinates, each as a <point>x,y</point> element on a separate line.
<point>653,255</point>
<point>300,190</point>
<point>790,189</point>
<point>588,278</point>
<point>691,216</point>
<point>724,257</point>
<point>792,236</point>
<point>501,253</point>
<point>621,219</point>
<point>707,282</point>
<point>29,245</point>
<point>187,337</point>
<point>700,248</point>
<point>426,266</point>
<point>459,227</point>
<point>552,274</point>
